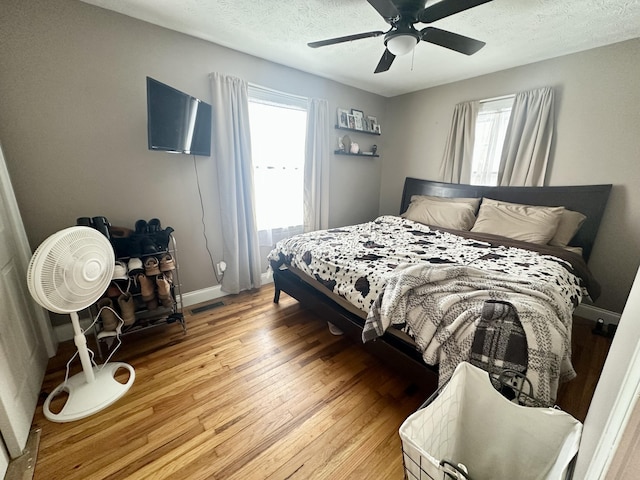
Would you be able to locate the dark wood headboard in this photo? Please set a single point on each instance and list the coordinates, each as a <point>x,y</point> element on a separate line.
<point>589,200</point>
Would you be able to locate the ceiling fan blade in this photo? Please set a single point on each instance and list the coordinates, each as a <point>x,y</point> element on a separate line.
<point>451,40</point>
<point>385,61</point>
<point>385,8</point>
<point>348,38</point>
<point>446,8</point>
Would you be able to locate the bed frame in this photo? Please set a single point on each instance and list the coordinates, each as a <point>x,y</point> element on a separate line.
<point>587,199</point>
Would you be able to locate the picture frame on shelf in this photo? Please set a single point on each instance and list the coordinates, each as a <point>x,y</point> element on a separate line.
<point>351,121</point>
<point>343,120</point>
<point>359,118</point>
<point>372,123</point>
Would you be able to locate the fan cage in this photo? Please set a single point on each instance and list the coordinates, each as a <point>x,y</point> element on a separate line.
<point>71,269</point>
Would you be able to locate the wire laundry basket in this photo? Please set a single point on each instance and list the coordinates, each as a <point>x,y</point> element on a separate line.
<point>468,430</point>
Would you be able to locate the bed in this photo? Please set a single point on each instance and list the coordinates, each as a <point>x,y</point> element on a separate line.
<point>436,285</point>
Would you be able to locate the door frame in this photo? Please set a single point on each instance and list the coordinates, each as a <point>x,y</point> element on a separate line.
<point>615,396</point>
<point>35,315</point>
<point>24,252</point>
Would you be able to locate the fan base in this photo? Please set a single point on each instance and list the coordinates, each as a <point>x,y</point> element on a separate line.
<point>85,399</point>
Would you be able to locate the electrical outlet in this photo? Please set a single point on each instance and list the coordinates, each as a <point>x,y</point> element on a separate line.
<point>221,267</point>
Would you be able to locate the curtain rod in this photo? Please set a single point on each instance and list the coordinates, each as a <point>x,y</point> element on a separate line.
<point>276,92</point>
<point>495,99</point>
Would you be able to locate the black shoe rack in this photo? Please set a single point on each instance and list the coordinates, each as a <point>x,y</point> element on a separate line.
<point>145,318</point>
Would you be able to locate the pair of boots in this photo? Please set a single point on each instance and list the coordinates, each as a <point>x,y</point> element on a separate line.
<point>148,286</point>
<point>108,316</point>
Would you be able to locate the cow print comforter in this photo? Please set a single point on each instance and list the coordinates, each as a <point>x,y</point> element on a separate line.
<point>352,261</point>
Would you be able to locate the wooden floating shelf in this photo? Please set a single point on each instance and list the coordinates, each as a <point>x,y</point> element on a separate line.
<point>341,152</point>
<point>356,130</point>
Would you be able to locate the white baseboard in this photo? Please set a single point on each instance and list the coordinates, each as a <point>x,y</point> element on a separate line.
<point>211,293</point>
<point>594,313</point>
<point>203,295</point>
<point>64,332</point>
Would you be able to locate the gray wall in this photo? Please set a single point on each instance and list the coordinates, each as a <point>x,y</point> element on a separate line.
<point>73,125</point>
<point>73,128</point>
<point>596,141</point>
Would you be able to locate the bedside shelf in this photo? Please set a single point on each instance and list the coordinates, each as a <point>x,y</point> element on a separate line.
<point>338,127</point>
<point>340,152</point>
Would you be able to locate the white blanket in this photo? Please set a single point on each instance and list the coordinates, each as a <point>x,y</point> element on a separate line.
<point>442,304</point>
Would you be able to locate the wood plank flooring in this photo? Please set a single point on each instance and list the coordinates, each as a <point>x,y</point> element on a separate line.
<point>254,390</point>
<point>589,353</point>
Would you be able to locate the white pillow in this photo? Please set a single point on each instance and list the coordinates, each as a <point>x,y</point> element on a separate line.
<point>527,223</point>
<point>441,213</point>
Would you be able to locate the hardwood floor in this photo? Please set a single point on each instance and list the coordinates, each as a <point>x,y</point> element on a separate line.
<point>254,390</point>
<point>589,352</point>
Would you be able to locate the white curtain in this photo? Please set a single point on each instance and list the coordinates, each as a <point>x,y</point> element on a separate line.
<point>458,154</point>
<point>232,153</point>
<point>525,153</point>
<point>316,161</point>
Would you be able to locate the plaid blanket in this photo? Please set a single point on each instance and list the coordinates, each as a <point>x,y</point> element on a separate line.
<point>443,304</point>
<point>500,342</point>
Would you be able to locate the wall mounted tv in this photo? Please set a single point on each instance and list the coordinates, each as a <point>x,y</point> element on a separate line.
<point>177,122</point>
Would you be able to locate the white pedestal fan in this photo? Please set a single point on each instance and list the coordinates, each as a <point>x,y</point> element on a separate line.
<point>68,272</point>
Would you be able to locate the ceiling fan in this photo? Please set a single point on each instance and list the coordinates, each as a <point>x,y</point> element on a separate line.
<point>402,37</point>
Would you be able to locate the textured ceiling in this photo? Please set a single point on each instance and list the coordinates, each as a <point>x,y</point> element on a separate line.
<point>517,32</point>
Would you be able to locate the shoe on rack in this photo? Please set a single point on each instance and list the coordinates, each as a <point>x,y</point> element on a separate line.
<point>113,291</point>
<point>119,271</point>
<point>167,263</point>
<point>169,276</point>
<point>127,308</point>
<point>162,238</point>
<point>147,290</point>
<point>84,222</point>
<point>120,232</point>
<point>141,227</point>
<point>151,266</point>
<point>153,225</point>
<point>164,291</point>
<point>135,267</point>
<point>102,225</point>
<point>148,245</point>
<point>134,246</point>
<point>107,315</point>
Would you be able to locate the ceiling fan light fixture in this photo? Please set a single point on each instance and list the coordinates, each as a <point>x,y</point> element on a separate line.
<point>401,44</point>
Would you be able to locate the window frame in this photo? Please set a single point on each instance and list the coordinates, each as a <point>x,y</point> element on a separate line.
<point>492,106</point>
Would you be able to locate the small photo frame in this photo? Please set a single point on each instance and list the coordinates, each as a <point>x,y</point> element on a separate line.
<point>372,123</point>
<point>343,120</point>
<point>359,118</point>
<point>351,121</point>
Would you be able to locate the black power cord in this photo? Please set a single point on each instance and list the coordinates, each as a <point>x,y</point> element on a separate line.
<point>204,225</point>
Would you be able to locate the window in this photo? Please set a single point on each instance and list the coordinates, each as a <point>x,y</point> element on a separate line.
<point>278,129</point>
<point>491,128</point>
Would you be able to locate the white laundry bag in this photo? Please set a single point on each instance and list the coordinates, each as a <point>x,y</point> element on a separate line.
<point>472,426</point>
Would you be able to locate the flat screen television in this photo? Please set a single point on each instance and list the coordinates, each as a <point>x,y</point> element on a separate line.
<point>177,122</point>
